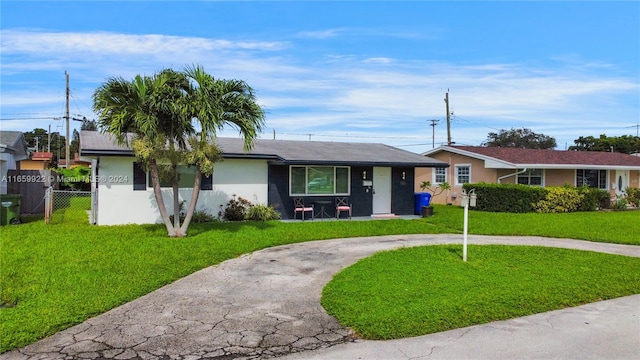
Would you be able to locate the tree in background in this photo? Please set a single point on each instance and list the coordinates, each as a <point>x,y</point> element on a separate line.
<point>89,125</point>
<point>38,140</point>
<point>161,113</point>
<point>519,138</point>
<point>626,144</point>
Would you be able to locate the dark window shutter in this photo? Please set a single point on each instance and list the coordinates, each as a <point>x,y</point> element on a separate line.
<point>206,182</point>
<point>139,177</point>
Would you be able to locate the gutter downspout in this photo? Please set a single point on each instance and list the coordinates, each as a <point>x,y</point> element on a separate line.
<point>509,175</point>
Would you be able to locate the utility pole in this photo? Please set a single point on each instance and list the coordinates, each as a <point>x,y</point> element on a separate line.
<point>446,100</point>
<point>433,132</point>
<point>49,139</point>
<point>66,151</point>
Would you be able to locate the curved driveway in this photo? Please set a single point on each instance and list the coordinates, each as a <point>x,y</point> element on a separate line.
<point>267,304</point>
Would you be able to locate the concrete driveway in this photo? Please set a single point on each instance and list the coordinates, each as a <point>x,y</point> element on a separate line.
<point>267,304</point>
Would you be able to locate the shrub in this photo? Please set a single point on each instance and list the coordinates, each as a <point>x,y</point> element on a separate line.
<point>236,209</point>
<point>593,199</point>
<point>560,199</point>
<point>506,197</point>
<point>633,196</point>
<point>199,216</point>
<point>620,203</point>
<point>203,216</point>
<point>262,213</point>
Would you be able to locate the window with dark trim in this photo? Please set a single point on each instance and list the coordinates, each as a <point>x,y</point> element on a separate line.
<point>139,177</point>
<point>141,181</point>
<point>591,178</point>
<point>319,180</point>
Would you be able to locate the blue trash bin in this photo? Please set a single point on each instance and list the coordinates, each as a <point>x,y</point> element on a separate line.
<point>421,199</point>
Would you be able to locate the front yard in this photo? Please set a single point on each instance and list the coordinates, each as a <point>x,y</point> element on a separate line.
<point>52,277</point>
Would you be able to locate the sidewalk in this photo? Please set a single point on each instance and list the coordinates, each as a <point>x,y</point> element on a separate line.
<point>267,304</point>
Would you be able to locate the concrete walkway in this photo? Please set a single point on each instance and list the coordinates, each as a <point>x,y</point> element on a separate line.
<point>267,304</point>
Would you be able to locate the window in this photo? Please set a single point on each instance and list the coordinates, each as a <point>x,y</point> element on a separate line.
<point>319,180</point>
<point>139,177</point>
<point>463,174</point>
<point>531,177</point>
<point>185,178</point>
<point>591,178</point>
<point>142,181</point>
<point>440,175</point>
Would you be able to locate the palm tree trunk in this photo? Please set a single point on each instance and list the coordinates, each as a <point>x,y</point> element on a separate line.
<point>194,200</point>
<point>176,198</point>
<point>157,191</point>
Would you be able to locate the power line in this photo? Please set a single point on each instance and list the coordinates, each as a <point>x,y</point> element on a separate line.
<point>33,118</point>
<point>354,136</point>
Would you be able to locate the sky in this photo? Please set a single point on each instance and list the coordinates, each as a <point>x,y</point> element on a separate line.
<point>359,71</point>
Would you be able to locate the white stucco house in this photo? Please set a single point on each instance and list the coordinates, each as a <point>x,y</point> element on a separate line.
<point>376,178</point>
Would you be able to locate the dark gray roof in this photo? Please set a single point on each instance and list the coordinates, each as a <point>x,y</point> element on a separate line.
<point>285,151</point>
<point>14,141</point>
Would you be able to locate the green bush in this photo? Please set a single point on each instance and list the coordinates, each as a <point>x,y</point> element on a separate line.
<point>506,197</point>
<point>262,213</point>
<point>620,203</point>
<point>199,216</point>
<point>236,209</point>
<point>594,199</point>
<point>633,196</point>
<point>203,216</point>
<point>560,199</point>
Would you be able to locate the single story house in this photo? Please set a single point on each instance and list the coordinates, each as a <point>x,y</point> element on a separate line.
<point>377,178</point>
<point>13,149</point>
<point>471,164</point>
<point>37,161</point>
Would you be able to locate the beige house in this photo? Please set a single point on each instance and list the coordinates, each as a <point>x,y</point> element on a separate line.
<point>37,161</point>
<point>472,164</point>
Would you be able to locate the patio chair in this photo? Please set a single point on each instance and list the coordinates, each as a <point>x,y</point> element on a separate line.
<point>300,207</point>
<point>342,204</point>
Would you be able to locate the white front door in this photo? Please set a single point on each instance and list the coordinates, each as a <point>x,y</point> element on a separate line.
<point>381,190</point>
<point>621,182</point>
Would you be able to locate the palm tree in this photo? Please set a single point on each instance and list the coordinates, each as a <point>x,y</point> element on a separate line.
<point>214,104</point>
<point>149,108</point>
<point>161,112</point>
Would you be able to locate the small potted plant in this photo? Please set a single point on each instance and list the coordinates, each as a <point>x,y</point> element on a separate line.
<point>434,190</point>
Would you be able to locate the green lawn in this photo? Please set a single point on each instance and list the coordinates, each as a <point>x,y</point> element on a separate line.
<point>422,290</point>
<point>52,277</point>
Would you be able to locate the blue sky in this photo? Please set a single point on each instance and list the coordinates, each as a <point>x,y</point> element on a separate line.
<point>343,71</point>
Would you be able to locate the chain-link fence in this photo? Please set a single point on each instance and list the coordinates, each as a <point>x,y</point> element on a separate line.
<point>63,206</point>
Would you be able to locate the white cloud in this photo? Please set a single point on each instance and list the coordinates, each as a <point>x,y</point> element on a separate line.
<point>320,34</point>
<point>34,42</point>
<point>338,95</point>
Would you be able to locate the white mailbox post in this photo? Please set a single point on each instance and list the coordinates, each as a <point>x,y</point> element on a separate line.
<point>467,199</point>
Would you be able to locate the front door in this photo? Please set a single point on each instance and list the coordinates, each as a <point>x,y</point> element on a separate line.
<point>381,190</point>
<point>622,181</point>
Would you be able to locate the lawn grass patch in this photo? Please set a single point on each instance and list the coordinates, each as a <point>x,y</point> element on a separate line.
<point>56,276</point>
<point>422,290</point>
<point>621,227</point>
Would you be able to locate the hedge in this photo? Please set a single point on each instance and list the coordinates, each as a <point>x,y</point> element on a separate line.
<point>506,197</point>
<point>517,198</point>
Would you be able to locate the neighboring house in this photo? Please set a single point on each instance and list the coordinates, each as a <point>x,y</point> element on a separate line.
<point>377,179</point>
<point>472,164</point>
<point>75,162</point>
<point>38,161</point>
<point>13,149</point>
